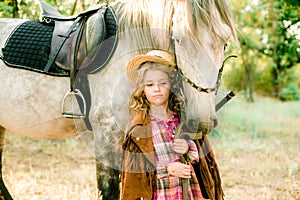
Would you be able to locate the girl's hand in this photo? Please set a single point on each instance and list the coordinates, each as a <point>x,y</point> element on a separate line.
<point>180,146</point>
<point>179,169</point>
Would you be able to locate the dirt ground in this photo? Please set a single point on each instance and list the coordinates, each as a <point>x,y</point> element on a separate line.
<point>262,163</point>
<point>261,167</point>
<point>258,150</point>
<point>48,169</point>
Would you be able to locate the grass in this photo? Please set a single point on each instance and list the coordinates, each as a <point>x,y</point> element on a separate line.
<point>258,149</point>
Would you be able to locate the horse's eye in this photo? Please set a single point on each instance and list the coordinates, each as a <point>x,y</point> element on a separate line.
<point>225,46</point>
<point>176,38</point>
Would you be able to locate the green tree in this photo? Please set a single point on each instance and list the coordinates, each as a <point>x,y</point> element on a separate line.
<point>269,32</point>
<point>246,15</point>
<point>29,9</point>
<point>282,39</point>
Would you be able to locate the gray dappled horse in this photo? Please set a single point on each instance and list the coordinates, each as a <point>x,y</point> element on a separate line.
<point>195,30</point>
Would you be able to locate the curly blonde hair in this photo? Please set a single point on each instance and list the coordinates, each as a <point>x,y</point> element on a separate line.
<point>138,101</point>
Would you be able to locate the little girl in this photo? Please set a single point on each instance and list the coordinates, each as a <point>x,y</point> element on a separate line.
<point>151,163</point>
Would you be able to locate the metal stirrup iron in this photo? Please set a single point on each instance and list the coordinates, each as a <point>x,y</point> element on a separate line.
<point>77,96</point>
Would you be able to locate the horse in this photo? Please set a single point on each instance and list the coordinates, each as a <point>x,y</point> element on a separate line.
<point>196,31</point>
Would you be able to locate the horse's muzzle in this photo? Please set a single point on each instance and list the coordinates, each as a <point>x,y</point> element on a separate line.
<point>207,127</point>
<point>196,126</point>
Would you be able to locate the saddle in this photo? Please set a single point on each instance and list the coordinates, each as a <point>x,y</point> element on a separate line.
<point>74,48</point>
<point>77,39</point>
<point>71,46</point>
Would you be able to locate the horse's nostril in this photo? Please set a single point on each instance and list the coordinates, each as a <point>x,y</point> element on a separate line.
<point>194,124</point>
<point>215,121</point>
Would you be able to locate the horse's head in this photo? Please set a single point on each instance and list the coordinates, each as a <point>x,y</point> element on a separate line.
<point>196,31</point>
<point>199,32</point>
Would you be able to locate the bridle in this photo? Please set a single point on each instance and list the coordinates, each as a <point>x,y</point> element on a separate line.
<point>181,77</point>
<point>199,88</point>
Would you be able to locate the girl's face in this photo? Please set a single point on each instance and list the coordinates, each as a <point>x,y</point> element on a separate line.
<point>157,87</point>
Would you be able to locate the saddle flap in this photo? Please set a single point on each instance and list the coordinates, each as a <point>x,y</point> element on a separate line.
<point>95,31</point>
<point>85,37</point>
<point>65,56</point>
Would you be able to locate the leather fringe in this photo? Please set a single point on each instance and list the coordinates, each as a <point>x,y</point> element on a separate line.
<point>207,171</point>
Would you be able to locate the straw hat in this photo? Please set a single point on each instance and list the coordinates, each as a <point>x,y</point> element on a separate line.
<point>156,56</point>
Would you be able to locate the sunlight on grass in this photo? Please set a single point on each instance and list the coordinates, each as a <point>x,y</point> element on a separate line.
<point>258,149</point>
<point>263,115</point>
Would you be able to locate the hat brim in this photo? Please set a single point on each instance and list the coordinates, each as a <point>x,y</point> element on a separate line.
<point>136,62</point>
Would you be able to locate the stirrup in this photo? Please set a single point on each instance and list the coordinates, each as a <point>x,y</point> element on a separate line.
<point>75,95</point>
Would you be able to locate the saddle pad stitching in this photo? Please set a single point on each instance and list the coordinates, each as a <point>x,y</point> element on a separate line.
<point>28,47</point>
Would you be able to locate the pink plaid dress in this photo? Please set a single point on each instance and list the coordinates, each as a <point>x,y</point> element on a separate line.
<point>170,187</point>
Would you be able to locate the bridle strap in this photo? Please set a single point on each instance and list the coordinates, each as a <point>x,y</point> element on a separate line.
<point>218,83</point>
<point>187,80</point>
<point>199,88</point>
<point>182,77</point>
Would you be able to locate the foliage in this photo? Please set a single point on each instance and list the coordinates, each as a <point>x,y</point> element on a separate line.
<point>269,33</point>
<point>290,93</point>
<point>283,41</point>
<point>29,9</point>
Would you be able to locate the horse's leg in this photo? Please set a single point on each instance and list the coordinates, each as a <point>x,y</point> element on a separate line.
<point>4,194</point>
<point>108,181</point>
<point>108,161</point>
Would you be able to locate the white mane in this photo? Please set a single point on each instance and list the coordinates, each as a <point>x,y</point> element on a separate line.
<point>195,16</point>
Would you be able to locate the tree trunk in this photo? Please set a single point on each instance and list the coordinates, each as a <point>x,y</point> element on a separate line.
<point>276,81</point>
<point>15,8</point>
<point>249,86</point>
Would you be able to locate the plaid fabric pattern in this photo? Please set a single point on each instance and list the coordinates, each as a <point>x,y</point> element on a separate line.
<point>170,187</point>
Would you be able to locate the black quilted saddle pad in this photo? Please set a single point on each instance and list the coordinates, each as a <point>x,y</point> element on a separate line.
<point>28,47</point>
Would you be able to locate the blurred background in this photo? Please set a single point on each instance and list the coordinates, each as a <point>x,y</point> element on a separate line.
<point>257,143</point>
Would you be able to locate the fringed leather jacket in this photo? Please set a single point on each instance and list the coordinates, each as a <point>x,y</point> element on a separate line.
<point>139,167</point>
